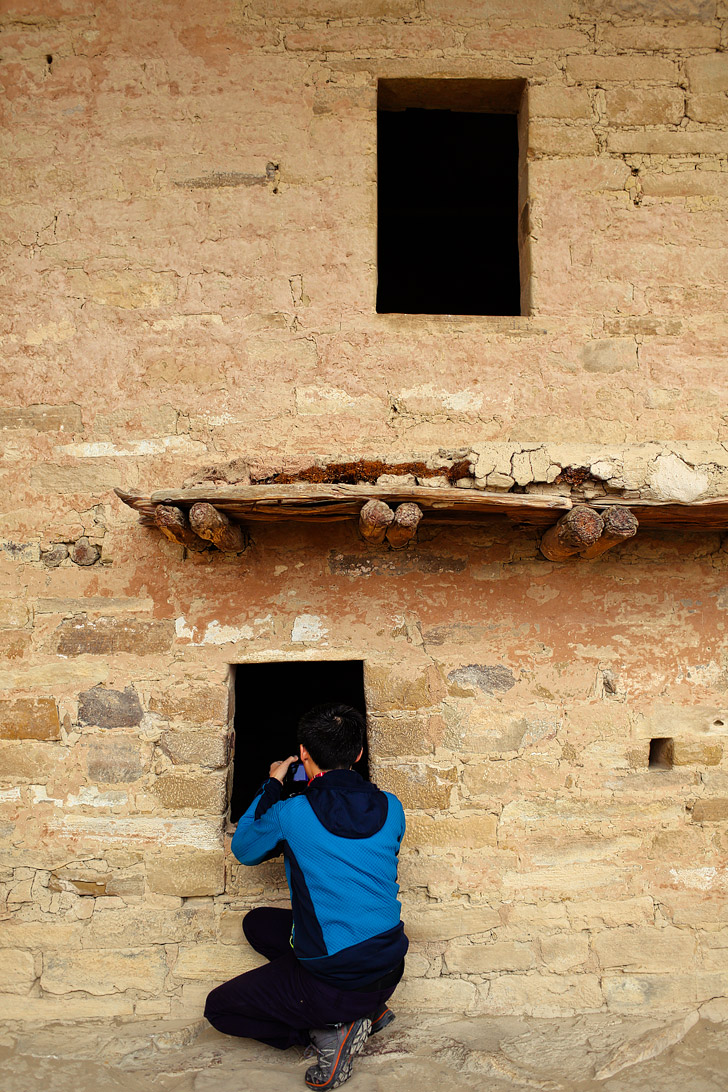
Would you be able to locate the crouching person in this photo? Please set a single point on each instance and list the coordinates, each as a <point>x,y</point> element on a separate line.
<point>336,957</point>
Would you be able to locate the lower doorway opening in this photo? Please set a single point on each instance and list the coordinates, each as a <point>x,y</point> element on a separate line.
<point>270,699</point>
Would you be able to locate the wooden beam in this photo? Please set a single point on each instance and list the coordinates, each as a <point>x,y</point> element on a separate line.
<point>215,526</point>
<point>404,526</point>
<point>619,525</point>
<point>173,524</point>
<point>574,532</point>
<point>374,519</point>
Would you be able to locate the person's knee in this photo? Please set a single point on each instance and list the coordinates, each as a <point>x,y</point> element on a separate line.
<point>252,925</point>
<point>212,1006</point>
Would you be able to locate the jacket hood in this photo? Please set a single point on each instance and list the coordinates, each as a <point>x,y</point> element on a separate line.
<point>347,805</point>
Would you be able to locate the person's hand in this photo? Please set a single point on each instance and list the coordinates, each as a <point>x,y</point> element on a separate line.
<point>280,769</point>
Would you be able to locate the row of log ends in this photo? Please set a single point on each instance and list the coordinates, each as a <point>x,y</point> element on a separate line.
<point>587,533</point>
<point>204,524</point>
<point>378,521</point>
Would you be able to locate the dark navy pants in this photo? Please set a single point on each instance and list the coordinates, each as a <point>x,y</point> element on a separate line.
<point>278,1002</point>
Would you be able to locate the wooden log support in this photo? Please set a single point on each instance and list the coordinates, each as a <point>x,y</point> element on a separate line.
<point>374,519</point>
<point>576,531</point>
<point>404,526</point>
<point>211,524</point>
<point>173,524</point>
<point>619,525</point>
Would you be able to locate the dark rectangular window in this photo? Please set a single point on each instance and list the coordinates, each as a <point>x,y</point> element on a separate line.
<point>448,205</point>
<point>269,701</point>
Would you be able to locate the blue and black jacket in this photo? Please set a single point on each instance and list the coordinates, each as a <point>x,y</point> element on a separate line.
<point>340,840</point>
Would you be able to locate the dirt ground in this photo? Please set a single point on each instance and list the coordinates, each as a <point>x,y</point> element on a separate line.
<point>609,1053</point>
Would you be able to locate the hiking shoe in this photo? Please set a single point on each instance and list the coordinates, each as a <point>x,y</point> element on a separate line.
<point>380,1019</point>
<point>336,1047</point>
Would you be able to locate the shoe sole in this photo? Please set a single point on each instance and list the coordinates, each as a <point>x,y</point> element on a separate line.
<point>341,1071</point>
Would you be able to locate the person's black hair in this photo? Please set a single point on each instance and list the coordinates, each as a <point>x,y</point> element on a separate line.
<point>333,735</point>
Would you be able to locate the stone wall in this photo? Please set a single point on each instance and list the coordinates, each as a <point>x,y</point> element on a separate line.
<point>189,279</point>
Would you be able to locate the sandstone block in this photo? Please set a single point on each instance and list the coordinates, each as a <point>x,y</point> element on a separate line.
<point>31,760</point>
<point>436,994</point>
<point>710,811</point>
<point>215,962</point>
<point>29,718</point>
<point>392,688</point>
<point>114,760</point>
<point>565,103</point>
<point>561,953</point>
<point>645,106</point>
<point>187,872</point>
<point>438,924</point>
<point>204,792</point>
<point>608,913</point>
<point>192,703</point>
<point>17,971</point>
<point>105,971</point>
<point>645,949</point>
<point>708,74</point>
<point>41,418</point>
<point>110,708</point>
<point>546,995</point>
<point>665,142</point>
<point>556,138</point>
<point>609,355</point>
<point>708,109</point>
<point>39,935</point>
<point>418,785</point>
<point>695,752</point>
<point>95,478</point>
<point>500,956</point>
<point>464,831</point>
<point>201,748</point>
<point>82,635</point>
<point>13,614</point>
<point>488,678</point>
<point>397,734</point>
<point>605,70</point>
<point>644,992</point>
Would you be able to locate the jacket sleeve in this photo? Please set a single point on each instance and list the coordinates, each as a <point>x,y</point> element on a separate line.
<point>259,834</point>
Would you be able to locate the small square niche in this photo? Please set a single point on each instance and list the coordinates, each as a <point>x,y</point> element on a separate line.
<point>270,698</point>
<point>661,753</point>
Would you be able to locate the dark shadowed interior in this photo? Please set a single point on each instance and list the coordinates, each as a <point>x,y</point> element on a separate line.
<point>269,701</point>
<point>447,213</point>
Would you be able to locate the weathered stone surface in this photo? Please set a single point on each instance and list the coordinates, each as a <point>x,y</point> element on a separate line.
<point>84,553</point>
<point>203,792</point>
<point>544,994</point>
<point>192,703</point>
<point>387,688</point>
<point>694,752</point>
<point>643,949</point>
<point>710,811</point>
<point>404,733</point>
<point>41,418</point>
<point>99,636</point>
<point>490,679</point>
<point>31,760</point>
<point>437,924</point>
<point>504,957</point>
<point>17,971</point>
<point>187,872</point>
<point>110,708</point>
<point>418,785</point>
<point>202,748</point>
<point>215,962</point>
<point>29,718</point>
<point>465,830</point>
<point>105,971</point>
<point>112,760</point>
